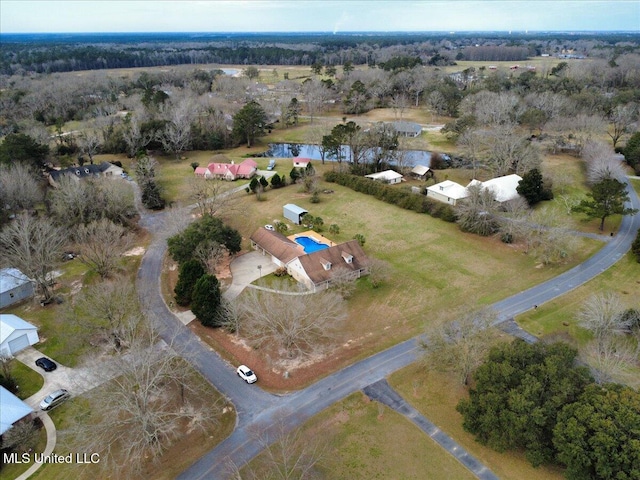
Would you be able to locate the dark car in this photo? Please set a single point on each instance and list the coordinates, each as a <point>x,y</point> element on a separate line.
<point>46,364</point>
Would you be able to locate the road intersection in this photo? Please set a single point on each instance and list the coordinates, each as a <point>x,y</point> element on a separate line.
<point>259,411</point>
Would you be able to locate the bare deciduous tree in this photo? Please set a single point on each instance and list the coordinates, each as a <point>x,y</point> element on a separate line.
<point>603,315</point>
<point>286,455</point>
<point>298,322</point>
<point>477,212</point>
<point>379,271</point>
<point>101,245</point>
<point>209,253</point>
<point>612,360</point>
<point>343,281</point>
<point>601,163</point>
<point>105,312</point>
<point>133,136</point>
<point>461,345</point>
<point>547,239</point>
<point>151,398</point>
<point>622,117</point>
<point>505,151</point>
<point>33,245</point>
<point>315,95</point>
<point>211,196</point>
<point>89,144</point>
<point>18,187</point>
<point>176,135</point>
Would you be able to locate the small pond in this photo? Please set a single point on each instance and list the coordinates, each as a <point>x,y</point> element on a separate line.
<point>289,150</point>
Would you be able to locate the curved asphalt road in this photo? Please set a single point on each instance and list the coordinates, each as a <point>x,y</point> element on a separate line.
<point>259,411</point>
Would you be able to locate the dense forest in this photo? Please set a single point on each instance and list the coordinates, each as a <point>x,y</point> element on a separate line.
<point>48,53</point>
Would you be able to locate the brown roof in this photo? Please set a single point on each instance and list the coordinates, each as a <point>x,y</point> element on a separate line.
<point>337,256</point>
<point>276,244</point>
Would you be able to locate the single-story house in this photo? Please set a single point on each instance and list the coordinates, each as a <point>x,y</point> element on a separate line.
<point>421,172</point>
<point>504,188</point>
<point>294,213</point>
<point>447,192</point>
<point>299,162</point>
<point>228,171</point>
<point>16,334</point>
<point>407,129</point>
<point>314,270</point>
<point>12,410</point>
<point>387,176</point>
<point>104,169</point>
<point>15,286</point>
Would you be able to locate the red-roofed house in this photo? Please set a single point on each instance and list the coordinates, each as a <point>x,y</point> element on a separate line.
<point>228,171</point>
<point>299,162</point>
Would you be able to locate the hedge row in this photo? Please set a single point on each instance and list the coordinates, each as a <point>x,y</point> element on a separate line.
<point>395,196</point>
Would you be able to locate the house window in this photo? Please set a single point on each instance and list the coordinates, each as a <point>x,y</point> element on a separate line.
<point>11,295</point>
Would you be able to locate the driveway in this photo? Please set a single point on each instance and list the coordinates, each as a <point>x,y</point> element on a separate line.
<point>76,380</point>
<point>246,269</point>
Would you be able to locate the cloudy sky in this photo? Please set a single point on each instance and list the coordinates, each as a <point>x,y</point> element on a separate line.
<point>43,16</point>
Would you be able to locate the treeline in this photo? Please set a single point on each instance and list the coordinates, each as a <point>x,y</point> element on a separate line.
<point>395,196</point>
<point>496,53</point>
<point>51,53</point>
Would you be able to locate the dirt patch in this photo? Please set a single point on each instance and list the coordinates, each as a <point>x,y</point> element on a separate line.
<point>134,252</point>
<point>281,375</point>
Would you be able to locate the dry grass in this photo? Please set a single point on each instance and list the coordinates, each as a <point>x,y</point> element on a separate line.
<point>436,396</point>
<point>365,440</point>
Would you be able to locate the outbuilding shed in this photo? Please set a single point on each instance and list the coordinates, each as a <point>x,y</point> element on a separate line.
<point>15,286</point>
<point>294,213</point>
<point>388,176</point>
<point>16,334</point>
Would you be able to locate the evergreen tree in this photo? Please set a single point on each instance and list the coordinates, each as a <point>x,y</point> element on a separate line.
<point>18,147</point>
<point>294,174</point>
<point>206,299</point>
<point>249,123</point>
<point>276,181</point>
<point>264,182</point>
<point>635,247</point>
<point>519,392</point>
<point>531,187</point>
<point>190,273</point>
<point>605,199</point>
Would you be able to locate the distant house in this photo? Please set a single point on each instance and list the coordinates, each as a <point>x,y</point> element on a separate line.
<point>421,172</point>
<point>299,162</point>
<point>407,129</point>
<point>16,334</point>
<point>15,286</point>
<point>294,213</point>
<point>314,270</point>
<point>387,176</point>
<point>104,169</point>
<point>447,192</point>
<point>228,171</point>
<point>503,188</point>
<point>12,410</point>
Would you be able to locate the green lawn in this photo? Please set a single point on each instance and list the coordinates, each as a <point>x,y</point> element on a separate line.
<point>434,265</point>
<point>28,380</point>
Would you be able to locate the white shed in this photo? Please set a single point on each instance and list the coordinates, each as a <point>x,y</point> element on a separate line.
<point>16,334</point>
<point>15,286</point>
<point>294,213</point>
<point>388,176</point>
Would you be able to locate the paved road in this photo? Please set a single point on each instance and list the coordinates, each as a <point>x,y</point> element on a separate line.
<point>382,392</point>
<point>260,411</point>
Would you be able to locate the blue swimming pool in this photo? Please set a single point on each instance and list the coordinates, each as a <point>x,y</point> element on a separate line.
<point>310,245</point>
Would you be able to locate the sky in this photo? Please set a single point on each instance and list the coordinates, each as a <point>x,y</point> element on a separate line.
<point>62,16</point>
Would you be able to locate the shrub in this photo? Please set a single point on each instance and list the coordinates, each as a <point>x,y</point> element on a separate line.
<point>315,198</point>
<point>360,238</point>
<point>205,303</point>
<point>190,273</point>
<point>334,229</point>
<point>635,247</point>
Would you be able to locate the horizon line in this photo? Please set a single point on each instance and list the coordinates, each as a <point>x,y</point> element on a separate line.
<point>330,32</point>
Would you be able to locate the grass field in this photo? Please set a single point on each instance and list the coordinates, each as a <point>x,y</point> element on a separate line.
<point>364,440</point>
<point>436,395</point>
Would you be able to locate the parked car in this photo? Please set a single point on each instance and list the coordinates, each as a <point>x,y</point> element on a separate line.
<point>46,364</point>
<point>270,227</point>
<point>247,374</point>
<point>272,164</point>
<point>54,399</point>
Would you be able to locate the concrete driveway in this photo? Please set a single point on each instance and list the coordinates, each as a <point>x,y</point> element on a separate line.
<point>244,270</point>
